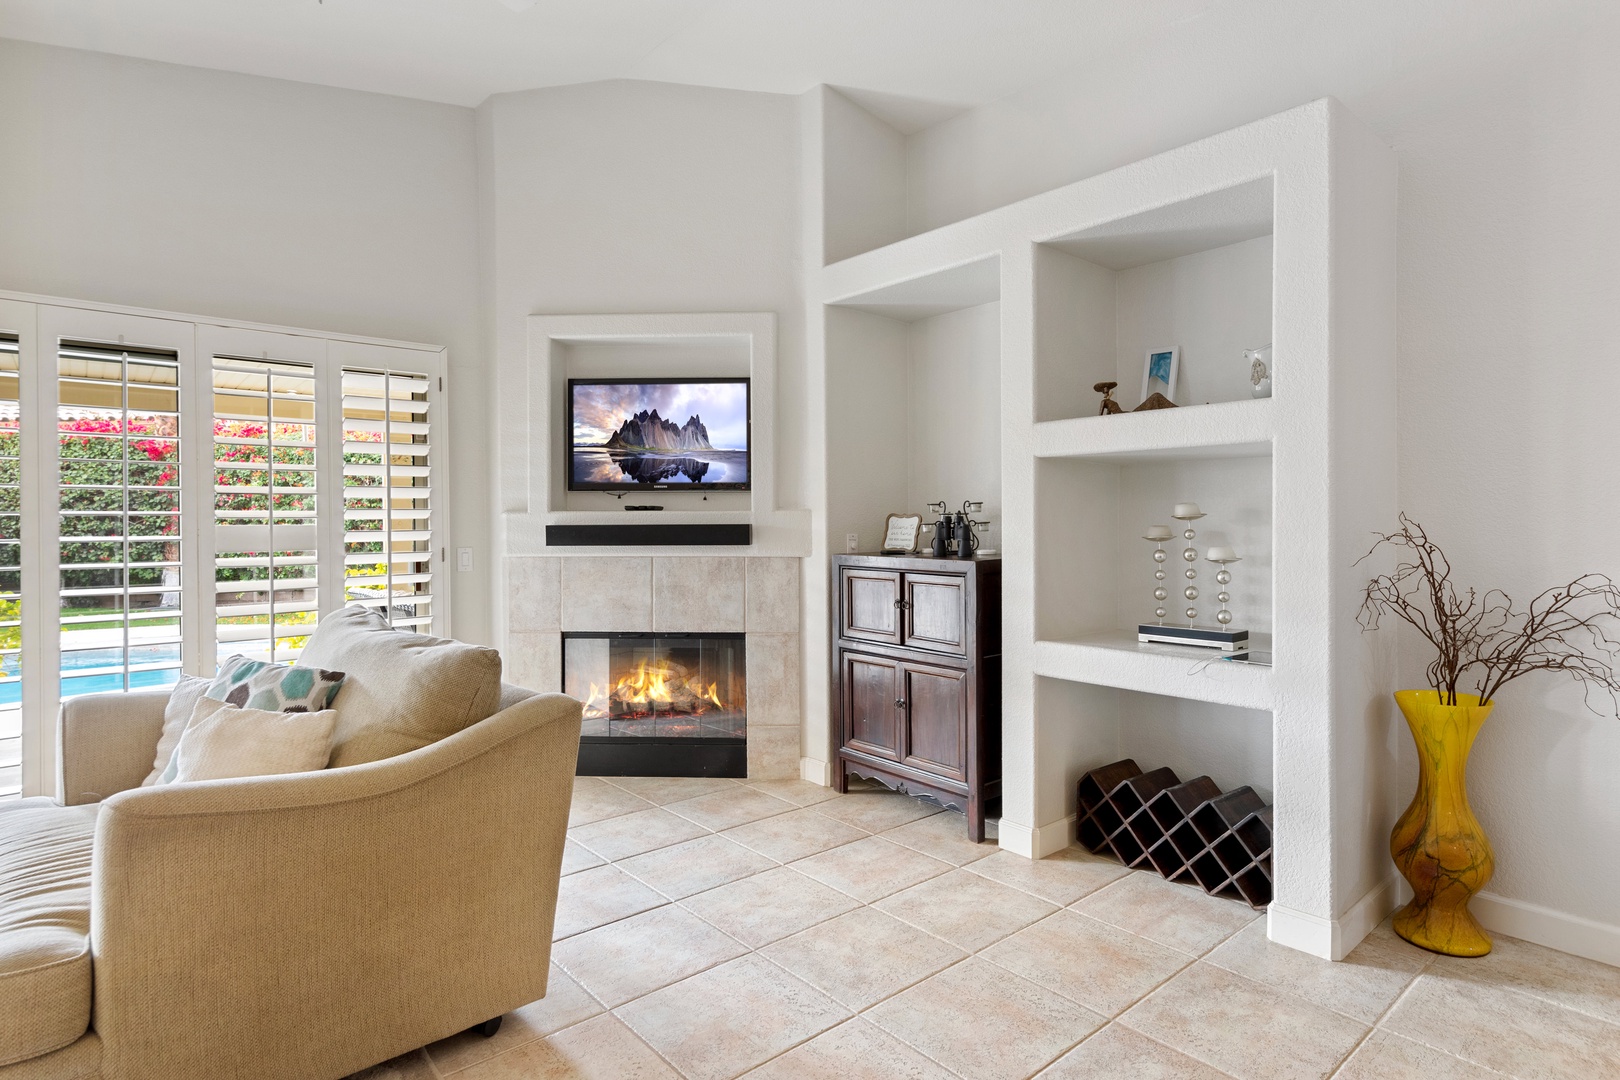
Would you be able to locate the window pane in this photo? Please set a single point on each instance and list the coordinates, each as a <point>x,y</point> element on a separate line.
<point>10,577</point>
<point>388,548</point>
<point>266,571</point>
<point>118,503</point>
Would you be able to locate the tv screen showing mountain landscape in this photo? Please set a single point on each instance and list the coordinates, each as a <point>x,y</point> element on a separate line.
<point>659,434</point>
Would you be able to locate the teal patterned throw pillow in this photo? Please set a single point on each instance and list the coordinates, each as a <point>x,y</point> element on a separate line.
<point>257,684</point>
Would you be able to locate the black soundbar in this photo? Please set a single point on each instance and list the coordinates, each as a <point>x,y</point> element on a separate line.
<point>649,535</point>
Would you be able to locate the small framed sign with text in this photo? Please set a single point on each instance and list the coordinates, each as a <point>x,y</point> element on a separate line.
<point>900,533</point>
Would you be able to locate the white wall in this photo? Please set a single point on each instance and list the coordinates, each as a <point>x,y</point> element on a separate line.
<point>1502,116</point>
<point>625,197</point>
<point>955,415</point>
<point>621,197</point>
<point>204,192</point>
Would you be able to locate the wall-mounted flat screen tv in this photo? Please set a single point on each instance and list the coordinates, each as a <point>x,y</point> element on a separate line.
<point>673,434</point>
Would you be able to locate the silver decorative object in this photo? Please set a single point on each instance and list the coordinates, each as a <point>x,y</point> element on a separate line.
<point>1189,513</point>
<point>1260,370</point>
<point>1223,557</point>
<point>1159,534</point>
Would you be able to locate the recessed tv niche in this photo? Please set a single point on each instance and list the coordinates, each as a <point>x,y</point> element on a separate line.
<point>628,434</point>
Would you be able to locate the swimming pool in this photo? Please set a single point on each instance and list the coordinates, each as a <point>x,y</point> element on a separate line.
<point>90,659</point>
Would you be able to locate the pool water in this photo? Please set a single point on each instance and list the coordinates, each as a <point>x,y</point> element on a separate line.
<point>81,659</point>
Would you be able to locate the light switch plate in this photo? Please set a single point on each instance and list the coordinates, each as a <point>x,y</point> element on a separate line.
<point>852,542</point>
<point>463,559</point>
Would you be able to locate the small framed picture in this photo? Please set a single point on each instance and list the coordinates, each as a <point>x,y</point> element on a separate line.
<point>1159,373</point>
<point>900,533</point>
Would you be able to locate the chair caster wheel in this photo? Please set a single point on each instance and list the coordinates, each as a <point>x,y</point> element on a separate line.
<point>487,1028</point>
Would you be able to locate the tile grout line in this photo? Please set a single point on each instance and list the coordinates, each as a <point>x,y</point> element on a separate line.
<point>1378,1022</point>
<point>1525,992</point>
<point>1172,1049</point>
<point>1427,968</point>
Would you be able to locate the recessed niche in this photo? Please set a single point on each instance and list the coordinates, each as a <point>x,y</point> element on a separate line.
<point>647,359</point>
<point>1097,571</point>
<point>1094,725</point>
<point>1195,275</point>
<point>913,399</point>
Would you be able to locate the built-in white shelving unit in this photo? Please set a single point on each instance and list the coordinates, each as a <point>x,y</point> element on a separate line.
<point>1279,232</point>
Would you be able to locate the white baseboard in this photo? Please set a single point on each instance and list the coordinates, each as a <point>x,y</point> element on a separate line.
<point>815,771</point>
<point>1544,926</point>
<point>1331,939</point>
<point>1016,838</point>
<point>1039,842</point>
<point>1054,836</point>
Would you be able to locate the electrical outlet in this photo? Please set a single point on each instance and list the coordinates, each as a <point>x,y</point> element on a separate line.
<point>852,542</point>
<point>463,559</point>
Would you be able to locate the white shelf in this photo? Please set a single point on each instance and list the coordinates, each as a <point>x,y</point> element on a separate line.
<point>968,285</point>
<point>1222,429</point>
<point>1116,658</point>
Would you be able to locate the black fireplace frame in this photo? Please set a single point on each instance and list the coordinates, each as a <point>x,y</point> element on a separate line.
<point>657,755</point>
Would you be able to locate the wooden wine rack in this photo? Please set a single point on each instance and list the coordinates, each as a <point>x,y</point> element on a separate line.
<point>1186,831</point>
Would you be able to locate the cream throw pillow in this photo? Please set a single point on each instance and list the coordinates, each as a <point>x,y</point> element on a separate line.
<point>402,691</point>
<point>223,741</point>
<point>176,715</point>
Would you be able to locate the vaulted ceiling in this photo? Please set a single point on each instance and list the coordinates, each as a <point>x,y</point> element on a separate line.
<point>914,61</point>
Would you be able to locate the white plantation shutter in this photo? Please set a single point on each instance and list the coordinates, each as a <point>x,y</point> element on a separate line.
<point>120,596</point>
<point>388,543</point>
<point>10,572</point>
<point>266,475</point>
<point>177,490</point>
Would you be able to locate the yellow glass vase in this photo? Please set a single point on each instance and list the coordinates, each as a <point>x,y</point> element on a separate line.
<point>1438,845</point>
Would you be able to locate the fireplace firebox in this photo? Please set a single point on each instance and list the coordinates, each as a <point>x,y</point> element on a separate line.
<point>659,704</point>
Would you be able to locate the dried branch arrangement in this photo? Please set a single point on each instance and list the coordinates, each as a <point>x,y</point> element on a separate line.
<point>1489,639</point>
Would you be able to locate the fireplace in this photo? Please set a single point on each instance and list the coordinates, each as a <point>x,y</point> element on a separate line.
<point>659,704</point>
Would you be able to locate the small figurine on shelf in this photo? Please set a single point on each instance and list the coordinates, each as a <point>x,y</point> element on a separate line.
<point>1259,370</point>
<point>1155,401</point>
<point>1109,405</point>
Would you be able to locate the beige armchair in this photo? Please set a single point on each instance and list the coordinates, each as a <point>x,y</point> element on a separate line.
<point>300,926</point>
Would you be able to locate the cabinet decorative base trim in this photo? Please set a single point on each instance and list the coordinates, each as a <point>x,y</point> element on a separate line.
<point>907,787</point>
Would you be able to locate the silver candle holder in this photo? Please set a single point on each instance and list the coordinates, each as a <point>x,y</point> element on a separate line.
<point>1221,637</point>
<point>1158,534</point>
<point>1223,557</point>
<point>1189,513</point>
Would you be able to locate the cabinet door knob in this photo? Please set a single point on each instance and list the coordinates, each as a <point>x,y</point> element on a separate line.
<point>902,604</point>
<point>899,703</point>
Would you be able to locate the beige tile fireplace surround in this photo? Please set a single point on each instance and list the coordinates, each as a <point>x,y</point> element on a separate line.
<point>547,596</point>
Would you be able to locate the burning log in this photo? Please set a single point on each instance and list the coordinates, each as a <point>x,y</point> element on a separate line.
<point>663,689</point>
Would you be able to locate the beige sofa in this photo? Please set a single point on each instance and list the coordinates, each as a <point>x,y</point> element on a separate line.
<point>301,926</point>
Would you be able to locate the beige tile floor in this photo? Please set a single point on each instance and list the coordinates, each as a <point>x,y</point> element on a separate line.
<point>709,929</point>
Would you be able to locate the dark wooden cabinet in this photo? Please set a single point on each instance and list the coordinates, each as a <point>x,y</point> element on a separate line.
<point>917,677</point>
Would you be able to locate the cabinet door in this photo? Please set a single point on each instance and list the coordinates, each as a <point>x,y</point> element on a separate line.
<point>936,612</point>
<point>935,717</point>
<point>871,704</point>
<point>869,604</point>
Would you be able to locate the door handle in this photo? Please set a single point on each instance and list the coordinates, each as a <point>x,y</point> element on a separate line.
<point>903,605</point>
<point>899,703</point>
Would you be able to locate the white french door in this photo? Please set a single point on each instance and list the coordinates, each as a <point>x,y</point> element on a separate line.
<point>17,740</point>
<point>174,491</point>
<point>267,405</point>
<point>106,603</point>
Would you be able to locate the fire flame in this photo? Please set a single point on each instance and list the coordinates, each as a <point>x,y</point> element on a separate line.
<point>654,685</point>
